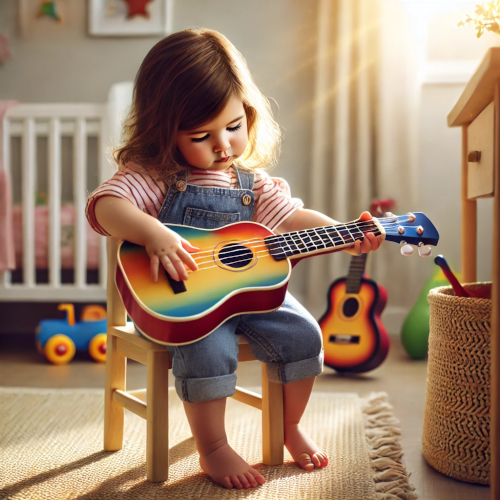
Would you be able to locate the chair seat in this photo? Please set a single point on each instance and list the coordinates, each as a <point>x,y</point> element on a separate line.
<point>128,336</point>
<point>129,333</point>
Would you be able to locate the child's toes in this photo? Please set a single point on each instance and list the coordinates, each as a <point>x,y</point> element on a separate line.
<point>316,460</point>
<point>236,482</point>
<point>251,479</point>
<point>227,483</point>
<point>260,479</point>
<point>304,460</point>
<point>244,481</point>
<point>320,460</point>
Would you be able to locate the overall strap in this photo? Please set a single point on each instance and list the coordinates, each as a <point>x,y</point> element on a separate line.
<point>245,178</point>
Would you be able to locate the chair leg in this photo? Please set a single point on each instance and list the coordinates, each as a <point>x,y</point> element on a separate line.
<point>113,412</point>
<point>273,432</point>
<point>157,413</point>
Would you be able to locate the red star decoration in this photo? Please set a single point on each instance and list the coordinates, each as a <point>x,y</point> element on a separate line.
<point>137,8</point>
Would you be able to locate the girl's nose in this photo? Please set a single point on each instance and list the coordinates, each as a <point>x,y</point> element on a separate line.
<point>221,146</point>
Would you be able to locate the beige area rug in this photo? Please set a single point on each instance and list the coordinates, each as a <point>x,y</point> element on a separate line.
<point>51,448</point>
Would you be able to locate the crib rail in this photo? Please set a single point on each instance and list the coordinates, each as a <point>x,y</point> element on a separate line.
<point>53,121</point>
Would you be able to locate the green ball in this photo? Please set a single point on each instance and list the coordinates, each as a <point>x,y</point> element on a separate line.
<point>415,329</point>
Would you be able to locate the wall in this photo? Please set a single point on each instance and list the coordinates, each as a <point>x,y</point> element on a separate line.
<point>450,58</point>
<point>60,63</point>
<point>54,62</point>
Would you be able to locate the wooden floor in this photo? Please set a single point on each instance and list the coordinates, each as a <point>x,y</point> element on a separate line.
<point>403,379</point>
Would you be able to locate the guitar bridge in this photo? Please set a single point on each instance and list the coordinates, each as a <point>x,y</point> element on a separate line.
<point>177,286</point>
<point>344,339</point>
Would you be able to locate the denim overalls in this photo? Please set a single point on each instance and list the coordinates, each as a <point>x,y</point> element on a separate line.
<point>288,340</point>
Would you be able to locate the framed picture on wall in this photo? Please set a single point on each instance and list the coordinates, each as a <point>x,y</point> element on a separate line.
<point>129,17</point>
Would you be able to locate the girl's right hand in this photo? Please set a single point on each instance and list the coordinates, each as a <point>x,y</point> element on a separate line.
<point>167,248</point>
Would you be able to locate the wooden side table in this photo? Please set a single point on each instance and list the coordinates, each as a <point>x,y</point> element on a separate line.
<point>477,111</point>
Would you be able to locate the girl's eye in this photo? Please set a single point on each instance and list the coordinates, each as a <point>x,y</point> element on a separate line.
<point>234,129</point>
<point>200,139</point>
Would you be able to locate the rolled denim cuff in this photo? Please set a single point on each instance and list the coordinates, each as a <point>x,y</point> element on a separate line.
<point>197,390</point>
<point>284,373</point>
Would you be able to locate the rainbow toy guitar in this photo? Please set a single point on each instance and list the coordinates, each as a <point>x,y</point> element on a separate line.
<point>242,268</point>
<point>354,337</point>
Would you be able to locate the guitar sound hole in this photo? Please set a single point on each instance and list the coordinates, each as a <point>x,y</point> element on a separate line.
<point>235,255</point>
<point>350,307</point>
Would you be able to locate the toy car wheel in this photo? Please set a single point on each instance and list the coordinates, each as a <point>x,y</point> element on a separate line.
<point>97,347</point>
<point>59,349</point>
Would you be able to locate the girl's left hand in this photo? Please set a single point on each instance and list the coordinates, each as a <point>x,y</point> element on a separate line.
<point>368,244</point>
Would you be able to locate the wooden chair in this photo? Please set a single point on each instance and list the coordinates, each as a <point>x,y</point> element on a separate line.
<point>123,342</point>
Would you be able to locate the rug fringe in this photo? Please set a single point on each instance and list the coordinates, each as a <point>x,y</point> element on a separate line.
<point>383,437</point>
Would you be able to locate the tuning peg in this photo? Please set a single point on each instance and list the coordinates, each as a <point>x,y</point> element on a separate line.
<point>424,251</point>
<point>406,250</point>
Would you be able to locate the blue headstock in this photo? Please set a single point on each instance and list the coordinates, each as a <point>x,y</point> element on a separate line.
<point>410,229</point>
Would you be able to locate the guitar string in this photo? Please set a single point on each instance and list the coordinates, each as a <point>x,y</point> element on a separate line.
<point>240,244</point>
<point>328,229</point>
<point>234,253</point>
<point>310,229</point>
<point>230,254</point>
<point>243,260</point>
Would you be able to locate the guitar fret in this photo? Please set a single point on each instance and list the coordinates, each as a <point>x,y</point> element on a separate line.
<point>291,244</point>
<point>275,247</point>
<point>298,242</point>
<point>339,240</point>
<point>356,271</point>
<point>310,247</point>
<point>345,234</point>
<point>356,234</point>
<point>329,242</point>
<point>315,237</point>
<point>318,240</point>
<point>339,233</point>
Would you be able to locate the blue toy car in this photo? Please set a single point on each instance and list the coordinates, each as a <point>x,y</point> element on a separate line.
<point>59,339</point>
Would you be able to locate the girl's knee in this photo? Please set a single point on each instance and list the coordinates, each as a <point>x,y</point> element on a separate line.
<point>202,360</point>
<point>311,342</point>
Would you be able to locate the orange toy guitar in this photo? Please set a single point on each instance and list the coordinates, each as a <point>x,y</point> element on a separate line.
<point>242,268</point>
<point>354,338</point>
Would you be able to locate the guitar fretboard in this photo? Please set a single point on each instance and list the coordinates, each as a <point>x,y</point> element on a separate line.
<point>356,271</point>
<point>316,240</point>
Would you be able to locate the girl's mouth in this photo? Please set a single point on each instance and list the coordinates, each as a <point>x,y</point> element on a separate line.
<point>223,160</point>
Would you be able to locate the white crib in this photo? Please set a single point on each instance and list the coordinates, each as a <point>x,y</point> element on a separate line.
<point>53,122</point>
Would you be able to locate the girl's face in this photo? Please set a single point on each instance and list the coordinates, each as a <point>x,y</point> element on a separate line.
<point>215,145</point>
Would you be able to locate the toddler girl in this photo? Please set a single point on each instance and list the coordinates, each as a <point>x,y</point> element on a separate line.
<point>197,140</point>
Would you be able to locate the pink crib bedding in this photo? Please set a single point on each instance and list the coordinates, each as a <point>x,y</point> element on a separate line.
<point>42,238</point>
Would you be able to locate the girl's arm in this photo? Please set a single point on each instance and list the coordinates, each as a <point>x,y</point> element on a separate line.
<point>304,218</point>
<point>122,220</point>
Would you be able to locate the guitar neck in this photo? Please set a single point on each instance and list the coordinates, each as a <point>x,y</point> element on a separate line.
<point>300,244</point>
<point>356,271</point>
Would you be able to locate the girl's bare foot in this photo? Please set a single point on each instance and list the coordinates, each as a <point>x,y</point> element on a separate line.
<point>226,467</point>
<point>303,449</point>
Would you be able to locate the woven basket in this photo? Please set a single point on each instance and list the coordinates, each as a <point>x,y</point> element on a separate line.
<point>456,430</point>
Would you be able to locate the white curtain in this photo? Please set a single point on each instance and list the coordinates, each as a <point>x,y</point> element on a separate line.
<point>364,123</point>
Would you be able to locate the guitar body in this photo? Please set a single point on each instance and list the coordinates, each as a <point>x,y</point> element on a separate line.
<point>221,289</point>
<point>354,338</point>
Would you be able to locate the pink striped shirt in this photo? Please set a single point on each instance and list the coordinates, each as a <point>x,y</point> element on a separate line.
<point>273,201</point>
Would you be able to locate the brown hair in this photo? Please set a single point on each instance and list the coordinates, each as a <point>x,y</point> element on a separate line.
<point>185,81</point>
